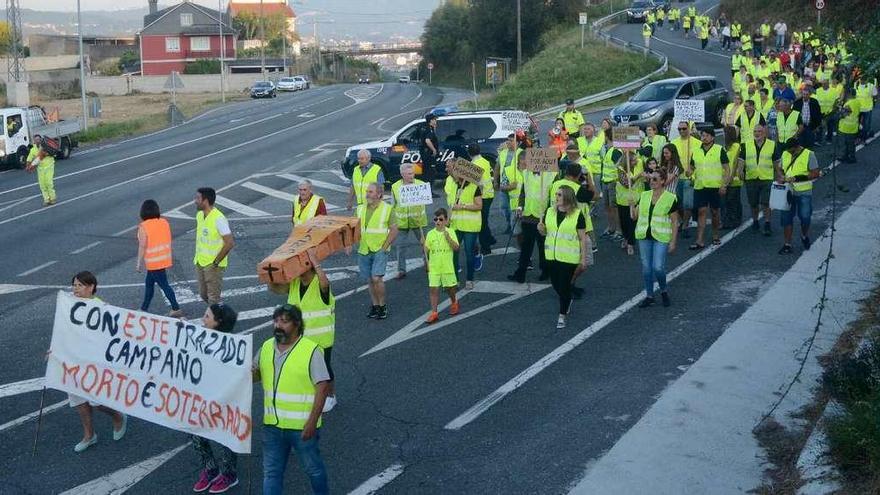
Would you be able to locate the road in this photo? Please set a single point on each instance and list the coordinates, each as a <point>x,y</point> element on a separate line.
<point>495,401</point>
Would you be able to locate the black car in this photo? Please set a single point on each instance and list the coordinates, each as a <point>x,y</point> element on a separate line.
<point>364,80</point>
<point>638,11</point>
<point>263,89</point>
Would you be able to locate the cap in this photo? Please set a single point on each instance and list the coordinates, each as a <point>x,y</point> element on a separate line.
<point>569,101</point>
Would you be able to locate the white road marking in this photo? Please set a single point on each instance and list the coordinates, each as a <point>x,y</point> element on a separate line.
<point>316,183</point>
<point>85,248</point>
<point>376,483</point>
<point>125,231</point>
<point>377,121</point>
<point>177,214</point>
<point>13,288</point>
<point>338,173</point>
<point>275,193</point>
<point>22,387</point>
<point>306,115</point>
<point>37,268</point>
<point>28,417</point>
<point>16,202</point>
<point>299,155</point>
<point>417,327</point>
<point>410,102</point>
<point>241,208</point>
<point>119,481</point>
<point>691,48</point>
<point>522,378</point>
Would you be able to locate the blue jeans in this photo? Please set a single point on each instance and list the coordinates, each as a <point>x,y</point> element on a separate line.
<point>468,242</point>
<point>801,207</point>
<point>653,255</point>
<point>866,124</point>
<point>158,277</point>
<point>277,443</point>
<point>780,41</point>
<point>504,198</point>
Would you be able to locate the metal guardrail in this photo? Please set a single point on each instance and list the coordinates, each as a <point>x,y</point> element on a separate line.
<point>597,28</point>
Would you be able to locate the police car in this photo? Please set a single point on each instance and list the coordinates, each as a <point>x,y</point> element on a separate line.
<point>455,130</point>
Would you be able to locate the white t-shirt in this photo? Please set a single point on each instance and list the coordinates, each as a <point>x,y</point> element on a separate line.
<point>223,226</point>
<point>780,28</point>
<point>725,31</point>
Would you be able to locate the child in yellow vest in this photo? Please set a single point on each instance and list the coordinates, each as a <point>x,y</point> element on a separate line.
<point>440,245</point>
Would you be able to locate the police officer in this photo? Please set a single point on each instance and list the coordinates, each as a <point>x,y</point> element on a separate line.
<point>429,148</point>
<point>573,119</point>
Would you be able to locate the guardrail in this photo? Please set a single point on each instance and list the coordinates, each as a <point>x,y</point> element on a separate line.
<point>597,29</point>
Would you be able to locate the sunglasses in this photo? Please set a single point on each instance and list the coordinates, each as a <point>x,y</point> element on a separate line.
<point>439,219</point>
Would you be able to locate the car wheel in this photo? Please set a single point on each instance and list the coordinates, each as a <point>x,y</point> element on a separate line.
<point>21,157</point>
<point>65,148</point>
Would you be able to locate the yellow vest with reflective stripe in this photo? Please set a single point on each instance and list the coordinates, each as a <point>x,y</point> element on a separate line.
<point>537,192</point>
<point>732,154</point>
<point>759,165</point>
<point>624,194</point>
<point>573,120</point>
<point>584,207</point>
<point>361,181</point>
<point>592,152</point>
<point>786,127</point>
<point>513,174</point>
<point>301,214</point>
<point>659,221</point>
<point>609,167</point>
<point>686,148</point>
<point>646,30</point>
<point>209,242</point>
<point>865,95</point>
<point>487,187</point>
<point>826,98</point>
<point>708,172</point>
<point>765,30</point>
<point>288,405</point>
<point>765,107</point>
<point>462,220</point>
<point>408,217</point>
<point>850,123</point>
<point>747,125</point>
<point>373,235</point>
<point>801,166</point>
<point>746,41</point>
<point>562,243</point>
<point>318,318</point>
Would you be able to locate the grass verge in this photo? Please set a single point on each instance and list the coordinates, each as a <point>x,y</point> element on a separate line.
<point>799,14</point>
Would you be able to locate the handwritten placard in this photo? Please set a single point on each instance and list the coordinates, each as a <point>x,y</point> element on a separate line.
<point>415,194</point>
<point>689,110</point>
<point>460,168</point>
<point>626,138</point>
<point>540,160</point>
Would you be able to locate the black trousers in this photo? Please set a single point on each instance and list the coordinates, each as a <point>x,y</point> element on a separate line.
<point>486,237</point>
<point>627,225</point>
<point>530,237</point>
<point>560,278</point>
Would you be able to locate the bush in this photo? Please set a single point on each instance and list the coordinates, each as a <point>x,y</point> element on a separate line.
<point>109,67</point>
<point>202,66</point>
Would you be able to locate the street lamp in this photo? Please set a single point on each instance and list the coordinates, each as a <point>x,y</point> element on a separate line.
<point>82,68</point>
<point>222,50</point>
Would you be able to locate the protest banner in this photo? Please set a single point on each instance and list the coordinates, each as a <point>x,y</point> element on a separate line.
<point>689,110</point>
<point>162,370</point>
<point>540,160</point>
<point>326,233</point>
<point>626,138</point>
<point>462,169</point>
<point>415,194</point>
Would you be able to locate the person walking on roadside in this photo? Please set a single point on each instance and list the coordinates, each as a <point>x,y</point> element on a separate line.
<point>780,28</point>
<point>848,125</point>
<point>685,144</point>
<point>829,103</point>
<point>710,170</point>
<point>674,17</point>
<point>44,163</point>
<point>296,383</point>
<point>811,116</point>
<point>307,204</point>
<point>154,253</point>
<point>647,32</point>
<point>364,174</point>
<point>566,247</point>
<point>657,232</point>
<point>798,168</point>
<point>465,202</point>
<point>590,148</point>
<point>510,182</point>
<point>573,119</point>
<point>686,24</point>
<point>378,231</point>
<point>410,219</point>
<point>214,241</point>
<point>429,148</point>
<point>487,188</point>
<point>748,120</point>
<point>653,143</point>
<point>866,92</point>
<point>630,184</point>
<point>440,245</point>
<point>760,157</point>
<point>788,122</point>
<point>731,209</point>
<point>703,34</point>
<point>218,472</point>
<point>611,157</point>
<point>532,207</point>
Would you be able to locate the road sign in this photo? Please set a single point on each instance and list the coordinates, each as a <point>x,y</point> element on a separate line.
<point>430,66</point>
<point>693,110</point>
<point>582,17</point>
<point>174,81</point>
<point>820,4</point>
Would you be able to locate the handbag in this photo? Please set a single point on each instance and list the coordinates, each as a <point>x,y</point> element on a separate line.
<point>780,196</point>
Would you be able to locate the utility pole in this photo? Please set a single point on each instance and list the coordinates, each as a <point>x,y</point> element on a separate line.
<point>262,43</point>
<point>222,50</point>
<point>518,35</point>
<point>82,67</point>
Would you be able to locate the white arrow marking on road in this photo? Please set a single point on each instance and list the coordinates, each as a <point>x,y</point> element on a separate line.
<point>417,327</point>
<point>177,214</point>
<point>275,193</point>
<point>241,208</point>
<point>375,483</point>
<point>119,481</point>
<point>22,387</point>
<point>316,183</point>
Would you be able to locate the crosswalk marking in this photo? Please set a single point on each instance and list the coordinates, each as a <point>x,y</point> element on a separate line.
<point>243,209</point>
<point>317,183</point>
<point>275,193</point>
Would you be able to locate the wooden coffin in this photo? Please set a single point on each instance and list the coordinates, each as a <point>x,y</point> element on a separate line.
<point>327,234</point>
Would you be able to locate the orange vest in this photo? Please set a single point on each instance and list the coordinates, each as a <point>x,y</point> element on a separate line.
<point>158,253</point>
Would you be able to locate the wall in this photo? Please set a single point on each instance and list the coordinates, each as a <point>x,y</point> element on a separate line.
<point>193,83</point>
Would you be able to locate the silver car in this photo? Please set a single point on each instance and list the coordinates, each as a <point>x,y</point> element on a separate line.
<point>654,103</point>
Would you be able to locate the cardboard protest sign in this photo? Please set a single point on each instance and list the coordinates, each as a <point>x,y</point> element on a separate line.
<point>689,110</point>
<point>540,160</point>
<point>326,233</point>
<point>626,138</point>
<point>415,194</point>
<point>462,169</point>
<point>159,369</point>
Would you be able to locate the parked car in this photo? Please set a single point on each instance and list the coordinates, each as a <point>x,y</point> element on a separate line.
<point>364,79</point>
<point>304,80</point>
<point>403,80</point>
<point>263,89</point>
<point>638,11</point>
<point>455,131</point>
<point>290,84</point>
<point>654,103</point>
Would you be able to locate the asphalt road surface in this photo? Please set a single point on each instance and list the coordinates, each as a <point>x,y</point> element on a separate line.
<point>494,401</point>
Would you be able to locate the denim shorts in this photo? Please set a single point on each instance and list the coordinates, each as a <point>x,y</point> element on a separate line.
<point>684,192</point>
<point>373,264</point>
<point>802,207</point>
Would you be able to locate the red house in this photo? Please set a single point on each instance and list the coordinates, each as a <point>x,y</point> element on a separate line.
<point>183,33</point>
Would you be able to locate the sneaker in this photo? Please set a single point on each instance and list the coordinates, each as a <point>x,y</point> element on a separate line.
<point>454,308</point>
<point>805,241</point>
<point>665,297</point>
<point>86,443</point>
<point>329,404</point>
<point>374,312</point>
<point>786,249</point>
<point>469,285</point>
<point>118,434</point>
<point>767,230</point>
<point>432,318</point>
<point>595,248</point>
<point>223,482</point>
<point>206,478</point>
<point>382,312</point>
<point>607,233</point>
<point>648,301</point>
<point>478,262</point>
<point>560,323</point>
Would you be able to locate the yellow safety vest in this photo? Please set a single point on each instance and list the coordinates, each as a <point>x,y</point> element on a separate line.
<point>765,30</point>
<point>764,107</point>
<point>408,217</point>
<point>584,207</point>
<point>656,145</point>
<point>865,95</point>
<point>609,167</point>
<point>747,125</point>
<point>361,181</point>
<point>562,242</point>
<point>732,155</point>
<point>646,30</point>
<point>759,164</point>
<point>209,242</point>
<point>800,166</point>
<point>537,188</point>
<point>732,113</point>
<point>514,175</point>
<point>659,221</point>
<point>850,123</point>
<point>826,98</point>
<point>462,220</point>
<point>374,233</point>
<point>686,23</point>
<point>708,172</point>
<point>686,149</point>
<point>735,30</point>
<point>625,194</point>
<point>487,187</point>
<point>786,128</point>
<point>301,214</point>
<point>289,404</point>
<point>591,151</point>
<point>318,318</point>
<point>573,120</point>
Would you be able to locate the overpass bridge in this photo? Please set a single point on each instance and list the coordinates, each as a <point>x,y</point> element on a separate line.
<point>375,49</point>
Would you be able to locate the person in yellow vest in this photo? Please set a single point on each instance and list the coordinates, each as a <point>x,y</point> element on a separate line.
<point>566,246</point>
<point>410,219</point>
<point>44,163</point>
<point>866,92</point>
<point>650,20</point>
<point>661,16</point>
<point>685,144</point>
<point>378,231</point>
<point>465,202</point>
<point>759,157</point>
<point>573,119</point>
<point>703,34</point>
<point>848,125</point>
<point>709,167</point>
<point>686,24</point>
<point>765,103</point>
<point>674,18</point>
<point>311,293</point>
<point>510,180</point>
<point>798,168</point>
<point>307,204</point>
<point>532,206</point>
<point>788,122</point>
<point>731,207</point>
<point>628,187</point>
<point>296,384</point>
<point>487,188</point>
<point>735,32</point>
<point>656,218</point>
<point>829,102</point>
<point>748,120</point>
<point>590,148</point>
<point>607,184</point>
<point>440,245</point>
<point>214,241</point>
<point>732,112</point>
<point>574,177</point>
<point>364,174</point>
<point>154,253</point>
<point>647,30</point>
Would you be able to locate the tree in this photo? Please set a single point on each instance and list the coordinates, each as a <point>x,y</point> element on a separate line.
<point>5,38</point>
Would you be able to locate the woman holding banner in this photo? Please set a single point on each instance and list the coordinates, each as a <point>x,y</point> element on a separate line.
<point>218,470</point>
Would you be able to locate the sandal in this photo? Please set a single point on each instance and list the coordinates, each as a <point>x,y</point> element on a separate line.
<point>696,247</point>
<point>629,250</point>
<point>716,242</point>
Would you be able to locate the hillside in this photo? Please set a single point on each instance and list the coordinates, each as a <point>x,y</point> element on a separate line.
<point>855,15</point>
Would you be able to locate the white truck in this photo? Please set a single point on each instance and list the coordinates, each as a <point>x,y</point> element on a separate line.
<point>20,125</point>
